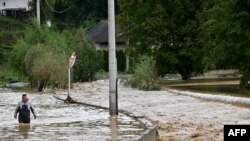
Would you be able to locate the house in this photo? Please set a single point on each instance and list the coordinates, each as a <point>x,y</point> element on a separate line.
<point>99,35</point>
<point>11,7</point>
<point>14,5</point>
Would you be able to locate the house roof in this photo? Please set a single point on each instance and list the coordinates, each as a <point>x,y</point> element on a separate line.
<point>99,33</point>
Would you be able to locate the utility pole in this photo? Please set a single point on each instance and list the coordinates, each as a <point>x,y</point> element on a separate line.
<point>113,110</point>
<point>38,11</point>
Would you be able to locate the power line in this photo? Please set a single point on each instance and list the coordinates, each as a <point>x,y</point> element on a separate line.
<point>59,12</point>
<point>89,17</point>
<point>44,12</point>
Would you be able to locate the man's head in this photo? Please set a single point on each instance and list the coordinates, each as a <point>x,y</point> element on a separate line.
<point>24,98</point>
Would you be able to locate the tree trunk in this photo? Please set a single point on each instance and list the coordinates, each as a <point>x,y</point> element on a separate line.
<point>186,73</point>
<point>31,82</point>
<point>41,84</point>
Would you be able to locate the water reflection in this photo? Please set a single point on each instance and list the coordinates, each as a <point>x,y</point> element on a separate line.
<point>24,130</point>
<point>113,127</point>
<point>59,121</point>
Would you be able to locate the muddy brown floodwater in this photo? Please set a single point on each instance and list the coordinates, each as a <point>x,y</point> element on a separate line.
<point>59,121</point>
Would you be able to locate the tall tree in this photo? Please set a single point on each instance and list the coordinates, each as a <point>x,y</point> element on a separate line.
<point>10,30</point>
<point>78,12</point>
<point>229,27</point>
<point>168,29</point>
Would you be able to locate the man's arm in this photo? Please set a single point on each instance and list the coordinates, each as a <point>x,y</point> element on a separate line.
<point>17,110</point>
<point>33,110</point>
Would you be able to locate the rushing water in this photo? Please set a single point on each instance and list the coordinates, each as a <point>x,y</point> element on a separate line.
<point>233,90</point>
<point>226,86</point>
<point>59,121</point>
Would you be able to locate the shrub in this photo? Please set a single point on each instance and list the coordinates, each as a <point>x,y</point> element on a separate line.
<point>46,65</point>
<point>41,54</point>
<point>88,60</point>
<point>144,77</point>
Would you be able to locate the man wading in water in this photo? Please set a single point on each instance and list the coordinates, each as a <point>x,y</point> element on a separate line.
<point>23,108</point>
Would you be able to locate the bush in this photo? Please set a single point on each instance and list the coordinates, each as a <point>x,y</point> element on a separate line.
<point>41,54</point>
<point>10,29</point>
<point>144,77</point>
<point>88,60</point>
<point>46,65</point>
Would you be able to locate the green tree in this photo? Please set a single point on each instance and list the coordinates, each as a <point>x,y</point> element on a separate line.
<point>41,54</point>
<point>79,12</point>
<point>230,31</point>
<point>33,36</point>
<point>170,30</point>
<point>72,14</point>
<point>45,65</point>
<point>88,60</point>
<point>144,77</point>
<point>10,30</point>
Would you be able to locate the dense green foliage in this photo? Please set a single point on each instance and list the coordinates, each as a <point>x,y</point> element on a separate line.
<point>184,36</point>
<point>46,64</point>
<point>10,29</point>
<point>167,29</point>
<point>229,29</point>
<point>80,11</point>
<point>121,60</point>
<point>42,54</point>
<point>72,14</point>
<point>144,77</point>
<point>189,36</point>
<point>88,61</point>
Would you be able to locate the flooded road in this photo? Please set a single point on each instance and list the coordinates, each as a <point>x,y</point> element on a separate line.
<point>177,117</point>
<point>231,90</point>
<point>59,121</point>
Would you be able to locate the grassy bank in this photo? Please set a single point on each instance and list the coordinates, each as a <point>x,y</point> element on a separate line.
<point>226,86</point>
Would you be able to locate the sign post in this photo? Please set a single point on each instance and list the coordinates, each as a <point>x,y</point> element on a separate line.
<point>72,60</point>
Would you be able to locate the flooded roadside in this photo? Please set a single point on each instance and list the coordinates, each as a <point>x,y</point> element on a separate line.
<point>226,86</point>
<point>177,117</point>
<point>59,121</point>
<point>232,90</point>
